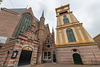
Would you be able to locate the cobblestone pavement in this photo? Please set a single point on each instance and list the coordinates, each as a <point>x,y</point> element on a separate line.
<point>60,65</point>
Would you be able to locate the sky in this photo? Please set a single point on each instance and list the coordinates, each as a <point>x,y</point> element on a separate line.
<point>86,11</point>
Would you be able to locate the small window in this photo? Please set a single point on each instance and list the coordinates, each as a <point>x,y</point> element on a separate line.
<point>64,16</point>
<point>75,50</point>
<point>30,37</point>
<point>63,12</point>
<point>48,41</point>
<point>48,46</point>
<point>47,55</point>
<point>66,20</point>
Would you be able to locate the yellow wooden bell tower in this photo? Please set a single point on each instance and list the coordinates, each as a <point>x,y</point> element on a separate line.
<point>70,31</point>
<point>73,43</point>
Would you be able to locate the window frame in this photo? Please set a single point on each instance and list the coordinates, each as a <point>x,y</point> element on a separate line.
<point>24,23</point>
<point>46,56</point>
<point>70,35</point>
<point>47,46</point>
<point>65,19</point>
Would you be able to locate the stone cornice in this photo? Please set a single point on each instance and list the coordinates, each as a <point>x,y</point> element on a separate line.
<point>76,44</point>
<point>64,14</point>
<point>68,25</point>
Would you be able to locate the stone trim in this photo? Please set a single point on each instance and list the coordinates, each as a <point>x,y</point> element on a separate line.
<point>7,49</point>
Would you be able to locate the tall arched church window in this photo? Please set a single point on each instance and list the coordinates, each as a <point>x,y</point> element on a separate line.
<point>25,22</point>
<point>66,20</point>
<point>70,35</point>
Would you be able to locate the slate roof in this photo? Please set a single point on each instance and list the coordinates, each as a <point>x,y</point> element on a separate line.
<point>20,10</point>
<point>42,14</point>
<point>36,19</point>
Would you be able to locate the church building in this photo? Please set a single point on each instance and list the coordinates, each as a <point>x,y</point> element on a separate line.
<point>97,40</point>
<point>73,43</point>
<point>24,40</point>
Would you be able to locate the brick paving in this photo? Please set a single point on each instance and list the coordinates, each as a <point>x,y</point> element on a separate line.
<point>60,65</point>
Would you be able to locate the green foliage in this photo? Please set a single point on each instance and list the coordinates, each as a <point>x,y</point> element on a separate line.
<point>0,0</point>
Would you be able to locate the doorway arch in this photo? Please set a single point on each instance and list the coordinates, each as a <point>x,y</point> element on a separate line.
<point>77,58</point>
<point>25,56</point>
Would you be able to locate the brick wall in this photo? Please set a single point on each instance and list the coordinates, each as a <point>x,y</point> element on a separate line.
<point>8,23</point>
<point>97,39</point>
<point>89,54</point>
<point>27,39</point>
<point>49,41</point>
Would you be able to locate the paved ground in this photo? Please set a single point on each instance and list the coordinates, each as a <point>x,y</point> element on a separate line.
<point>61,65</point>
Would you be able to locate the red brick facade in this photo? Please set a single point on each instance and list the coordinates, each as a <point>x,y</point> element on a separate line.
<point>18,44</point>
<point>49,48</point>
<point>97,39</point>
<point>32,41</point>
<point>89,54</point>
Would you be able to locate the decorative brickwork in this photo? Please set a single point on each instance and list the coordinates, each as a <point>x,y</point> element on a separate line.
<point>18,44</point>
<point>49,47</point>
<point>27,44</point>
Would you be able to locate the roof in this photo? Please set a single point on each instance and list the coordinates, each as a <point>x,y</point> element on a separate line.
<point>42,14</point>
<point>36,19</point>
<point>20,10</point>
<point>96,36</point>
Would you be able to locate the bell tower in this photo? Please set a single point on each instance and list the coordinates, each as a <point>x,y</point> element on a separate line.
<point>70,30</point>
<point>73,43</point>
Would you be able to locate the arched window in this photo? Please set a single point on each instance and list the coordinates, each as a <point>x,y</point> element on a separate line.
<point>25,22</point>
<point>70,34</point>
<point>66,20</point>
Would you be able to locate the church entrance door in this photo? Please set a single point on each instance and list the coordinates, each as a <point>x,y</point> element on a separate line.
<point>25,57</point>
<point>77,59</point>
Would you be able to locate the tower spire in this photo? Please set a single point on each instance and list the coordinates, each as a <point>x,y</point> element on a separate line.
<point>52,30</point>
<point>42,14</point>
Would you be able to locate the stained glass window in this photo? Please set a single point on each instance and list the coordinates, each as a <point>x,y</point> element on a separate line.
<point>66,20</point>
<point>70,34</point>
<point>25,22</point>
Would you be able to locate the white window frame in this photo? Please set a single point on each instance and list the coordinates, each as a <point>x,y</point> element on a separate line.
<point>47,56</point>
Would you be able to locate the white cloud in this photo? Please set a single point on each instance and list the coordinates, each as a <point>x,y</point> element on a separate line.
<point>86,11</point>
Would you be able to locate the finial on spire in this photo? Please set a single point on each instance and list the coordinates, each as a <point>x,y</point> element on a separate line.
<point>42,14</point>
<point>52,30</point>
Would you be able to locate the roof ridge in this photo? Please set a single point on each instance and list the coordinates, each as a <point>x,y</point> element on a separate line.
<point>18,10</point>
<point>97,35</point>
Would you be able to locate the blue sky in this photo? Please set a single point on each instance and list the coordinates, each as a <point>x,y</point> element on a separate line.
<point>86,11</point>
